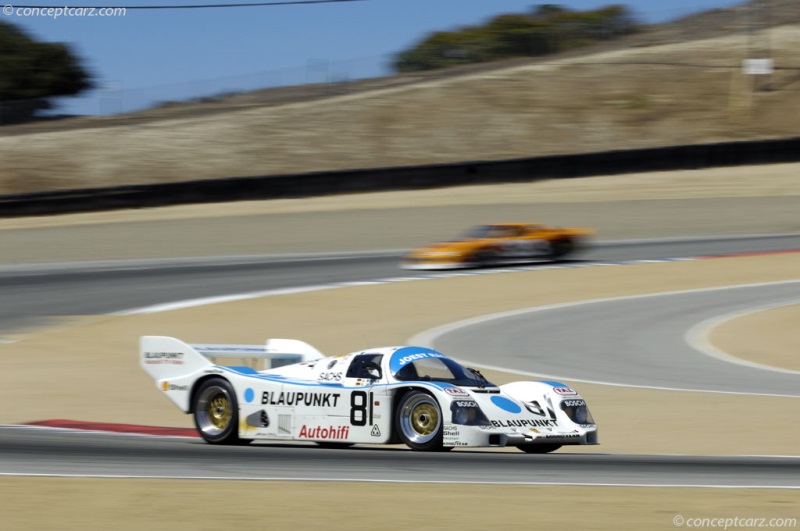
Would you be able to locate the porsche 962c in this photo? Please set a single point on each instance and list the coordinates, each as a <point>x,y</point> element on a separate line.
<point>411,395</point>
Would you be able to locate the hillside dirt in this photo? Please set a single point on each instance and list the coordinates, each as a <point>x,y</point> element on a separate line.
<point>675,93</point>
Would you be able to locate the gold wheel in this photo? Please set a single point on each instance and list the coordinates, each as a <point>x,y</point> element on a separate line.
<point>220,411</point>
<point>424,419</point>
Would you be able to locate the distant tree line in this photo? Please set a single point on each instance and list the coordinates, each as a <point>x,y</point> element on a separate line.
<point>546,30</point>
<point>33,72</point>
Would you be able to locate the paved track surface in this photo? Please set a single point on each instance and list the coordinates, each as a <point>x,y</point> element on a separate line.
<point>629,341</point>
<point>29,451</point>
<point>33,293</point>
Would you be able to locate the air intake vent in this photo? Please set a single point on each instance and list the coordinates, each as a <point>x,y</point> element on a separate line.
<point>285,424</point>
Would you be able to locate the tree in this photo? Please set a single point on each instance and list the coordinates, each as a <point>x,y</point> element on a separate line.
<point>32,73</point>
<point>545,30</point>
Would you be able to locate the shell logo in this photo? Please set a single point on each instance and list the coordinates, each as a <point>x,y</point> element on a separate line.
<point>165,386</point>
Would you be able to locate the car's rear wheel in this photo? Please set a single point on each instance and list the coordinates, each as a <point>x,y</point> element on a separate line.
<point>483,257</point>
<point>216,413</point>
<point>418,421</point>
<point>539,448</point>
<point>561,247</point>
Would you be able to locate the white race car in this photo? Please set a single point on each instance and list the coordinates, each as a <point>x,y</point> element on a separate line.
<point>411,395</point>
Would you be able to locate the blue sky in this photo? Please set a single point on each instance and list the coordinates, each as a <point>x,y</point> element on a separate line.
<point>158,55</point>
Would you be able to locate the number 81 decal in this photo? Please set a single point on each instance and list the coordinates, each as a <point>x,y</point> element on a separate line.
<point>360,408</point>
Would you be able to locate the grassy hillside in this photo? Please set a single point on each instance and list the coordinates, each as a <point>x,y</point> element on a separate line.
<point>651,90</point>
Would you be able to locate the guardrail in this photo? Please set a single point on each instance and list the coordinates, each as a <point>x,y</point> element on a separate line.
<point>403,178</point>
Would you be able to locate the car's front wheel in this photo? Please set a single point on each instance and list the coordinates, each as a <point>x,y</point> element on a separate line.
<point>418,421</point>
<point>216,413</point>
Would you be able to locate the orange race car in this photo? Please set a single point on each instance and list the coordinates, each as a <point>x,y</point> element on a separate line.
<point>499,244</point>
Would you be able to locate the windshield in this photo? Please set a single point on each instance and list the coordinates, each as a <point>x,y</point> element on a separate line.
<point>477,232</point>
<point>441,370</point>
<point>492,231</point>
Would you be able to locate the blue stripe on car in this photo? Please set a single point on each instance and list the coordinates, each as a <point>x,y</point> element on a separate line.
<point>552,383</point>
<point>506,405</point>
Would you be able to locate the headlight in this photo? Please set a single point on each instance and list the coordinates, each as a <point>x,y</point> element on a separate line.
<point>577,411</point>
<point>461,415</point>
<point>467,412</point>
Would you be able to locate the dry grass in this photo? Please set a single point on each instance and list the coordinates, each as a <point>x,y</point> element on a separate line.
<point>650,96</point>
<point>769,337</point>
<point>91,504</point>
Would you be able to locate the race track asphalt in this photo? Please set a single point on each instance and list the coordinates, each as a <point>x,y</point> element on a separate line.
<point>36,451</point>
<point>634,341</point>
<point>33,292</point>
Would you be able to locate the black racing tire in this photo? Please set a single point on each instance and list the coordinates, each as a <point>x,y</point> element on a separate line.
<point>418,421</point>
<point>216,412</point>
<point>561,247</point>
<point>539,448</point>
<point>483,257</point>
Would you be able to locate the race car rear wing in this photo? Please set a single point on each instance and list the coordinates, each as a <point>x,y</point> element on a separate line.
<point>166,357</point>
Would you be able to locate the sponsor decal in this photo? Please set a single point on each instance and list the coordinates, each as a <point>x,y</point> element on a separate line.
<point>565,391</point>
<point>403,356</point>
<point>456,392</point>
<point>330,376</point>
<point>563,436</point>
<point>321,432</point>
<point>573,403</point>
<point>166,386</point>
<point>213,371</point>
<point>273,398</point>
<point>259,419</point>
<point>522,423</point>
<point>451,436</point>
<point>419,356</point>
<point>376,431</point>
<point>466,403</point>
<point>163,358</point>
<point>451,431</point>
<point>506,405</point>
